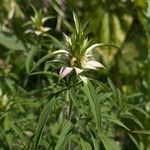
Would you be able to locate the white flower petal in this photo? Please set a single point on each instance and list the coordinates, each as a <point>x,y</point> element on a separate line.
<point>93,65</point>
<point>78,71</point>
<point>37,32</point>
<point>64,71</point>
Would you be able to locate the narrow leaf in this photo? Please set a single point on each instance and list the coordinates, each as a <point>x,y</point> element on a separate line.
<point>42,121</point>
<point>40,61</point>
<point>115,120</point>
<point>133,118</point>
<point>68,126</point>
<point>85,145</point>
<point>29,60</point>
<point>95,143</point>
<point>77,25</point>
<point>93,100</point>
<point>19,133</point>
<point>143,132</point>
<point>134,140</point>
<point>108,143</point>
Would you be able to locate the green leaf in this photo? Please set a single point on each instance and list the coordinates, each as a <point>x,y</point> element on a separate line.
<point>19,133</point>
<point>64,136</point>
<point>56,42</point>
<point>48,56</point>
<point>10,83</point>
<point>29,60</point>
<point>95,143</point>
<point>93,100</point>
<point>76,21</point>
<point>134,140</point>
<point>73,97</point>
<point>68,39</point>
<point>135,95</point>
<point>7,127</point>
<point>140,110</point>
<point>143,132</point>
<point>42,121</point>
<point>85,145</point>
<point>128,115</point>
<point>115,120</point>
<point>48,73</point>
<point>108,143</point>
<point>40,61</point>
<point>104,96</point>
<point>11,42</point>
<point>112,86</point>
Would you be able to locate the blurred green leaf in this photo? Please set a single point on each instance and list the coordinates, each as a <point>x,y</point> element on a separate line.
<point>11,42</point>
<point>64,135</point>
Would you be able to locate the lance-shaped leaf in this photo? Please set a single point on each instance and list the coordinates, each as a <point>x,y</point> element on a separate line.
<point>42,121</point>
<point>142,132</point>
<point>93,46</point>
<point>29,60</point>
<point>93,100</point>
<point>100,45</point>
<point>61,51</point>
<point>64,136</point>
<point>115,120</point>
<point>108,143</point>
<point>77,24</point>
<point>68,39</point>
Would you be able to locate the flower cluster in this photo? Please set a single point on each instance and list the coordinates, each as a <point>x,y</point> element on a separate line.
<point>78,55</point>
<point>37,22</point>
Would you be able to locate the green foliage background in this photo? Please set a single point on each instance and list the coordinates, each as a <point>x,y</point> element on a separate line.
<point>104,109</point>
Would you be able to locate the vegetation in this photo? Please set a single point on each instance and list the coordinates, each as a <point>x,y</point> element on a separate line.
<point>75,75</point>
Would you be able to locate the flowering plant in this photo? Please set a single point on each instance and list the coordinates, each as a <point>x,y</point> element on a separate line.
<point>78,56</point>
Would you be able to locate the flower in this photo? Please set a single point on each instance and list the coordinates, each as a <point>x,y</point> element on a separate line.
<point>37,22</point>
<point>77,57</point>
